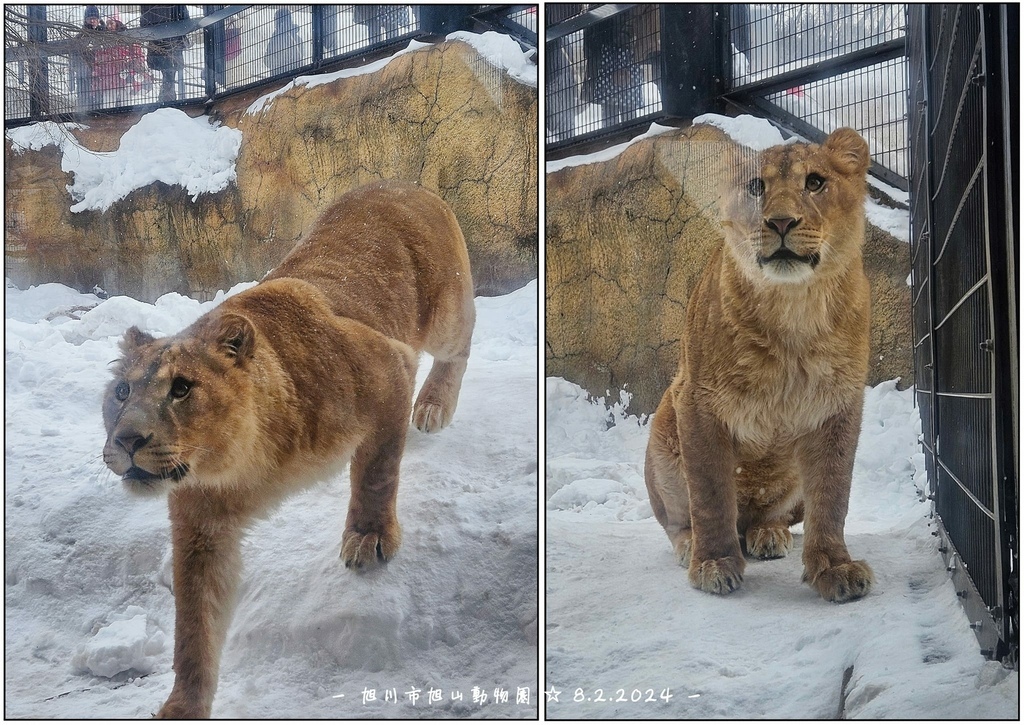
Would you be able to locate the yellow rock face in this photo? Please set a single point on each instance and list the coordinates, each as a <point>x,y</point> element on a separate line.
<point>627,240</point>
<point>441,116</point>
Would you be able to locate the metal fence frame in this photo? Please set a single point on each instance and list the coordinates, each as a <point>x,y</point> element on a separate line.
<point>329,36</point>
<point>964,220</point>
<point>610,69</point>
<point>780,65</point>
<point>695,70</point>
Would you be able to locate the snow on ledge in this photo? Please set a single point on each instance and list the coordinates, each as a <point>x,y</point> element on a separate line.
<point>37,136</point>
<point>261,104</point>
<point>497,49</point>
<point>746,130</point>
<point>166,145</point>
<point>501,51</point>
<point>605,154</point>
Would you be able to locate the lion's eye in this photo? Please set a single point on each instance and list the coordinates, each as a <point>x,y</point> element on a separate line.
<point>180,388</point>
<point>814,182</point>
<point>122,391</point>
<point>755,187</point>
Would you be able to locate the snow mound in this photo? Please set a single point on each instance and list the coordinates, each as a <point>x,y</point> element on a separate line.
<point>129,643</point>
<point>45,301</point>
<point>36,136</point>
<point>166,145</point>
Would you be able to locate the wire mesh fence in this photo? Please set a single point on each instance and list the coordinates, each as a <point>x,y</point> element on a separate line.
<point>961,293</point>
<point>776,38</point>
<point>815,68</point>
<point>809,68</point>
<point>603,69</point>
<point>72,59</point>
<point>84,58</point>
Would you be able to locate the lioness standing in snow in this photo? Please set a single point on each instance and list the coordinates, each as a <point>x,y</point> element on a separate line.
<point>280,386</point>
<point>759,427</point>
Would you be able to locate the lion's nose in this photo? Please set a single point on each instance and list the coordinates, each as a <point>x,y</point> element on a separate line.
<point>131,441</point>
<point>783,225</point>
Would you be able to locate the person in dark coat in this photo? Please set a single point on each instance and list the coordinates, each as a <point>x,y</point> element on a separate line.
<point>284,51</point>
<point>84,60</point>
<point>165,55</point>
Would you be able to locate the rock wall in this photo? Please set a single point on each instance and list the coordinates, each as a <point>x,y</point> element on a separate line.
<point>441,116</point>
<point>627,240</point>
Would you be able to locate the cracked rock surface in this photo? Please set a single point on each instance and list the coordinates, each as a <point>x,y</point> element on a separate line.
<point>440,116</point>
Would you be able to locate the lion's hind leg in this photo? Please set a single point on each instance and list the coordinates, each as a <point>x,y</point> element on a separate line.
<point>769,540</point>
<point>768,494</point>
<point>666,484</point>
<point>448,342</point>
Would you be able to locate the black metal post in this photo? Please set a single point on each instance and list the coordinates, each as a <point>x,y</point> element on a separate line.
<point>213,52</point>
<point>317,17</point>
<point>38,64</point>
<point>444,19</point>
<point>691,72</point>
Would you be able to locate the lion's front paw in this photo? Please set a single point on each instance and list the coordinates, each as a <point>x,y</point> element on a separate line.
<point>430,417</point>
<point>177,708</point>
<point>842,582</point>
<point>359,549</point>
<point>717,576</point>
<point>769,542</point>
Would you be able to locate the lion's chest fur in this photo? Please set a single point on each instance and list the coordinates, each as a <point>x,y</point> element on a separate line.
<point>774,368</point>
<point>767,400</point>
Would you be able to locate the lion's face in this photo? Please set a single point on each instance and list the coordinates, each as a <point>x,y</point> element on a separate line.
<point>793,211</point>
<point>176,409</point>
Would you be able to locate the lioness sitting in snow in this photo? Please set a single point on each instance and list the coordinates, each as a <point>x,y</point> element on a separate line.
<point>759,427</point>
<point>282,385</point>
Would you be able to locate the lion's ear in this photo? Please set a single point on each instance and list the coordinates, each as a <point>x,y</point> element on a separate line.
<point>134,338</point>
<point>849,151</point>
<point>235,337</point>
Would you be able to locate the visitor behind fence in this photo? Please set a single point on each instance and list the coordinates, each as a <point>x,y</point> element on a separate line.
<point>560,88</point>
<point>166,55</point>
<point>616,52</point>
<point>84,59</point>
<point>284,51</point>
<point>119,65</point>
<point>383,22</point>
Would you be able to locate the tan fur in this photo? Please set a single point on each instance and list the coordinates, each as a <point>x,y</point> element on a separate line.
<point>759,427</point>
<point>290,380</point>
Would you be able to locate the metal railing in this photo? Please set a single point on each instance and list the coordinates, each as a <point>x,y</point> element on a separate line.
<point>56,68</point>
<point>614,67</point>
<point>602,69</point>
<point>809,68</point>
<point>814,68</point>
<point>963,196</point>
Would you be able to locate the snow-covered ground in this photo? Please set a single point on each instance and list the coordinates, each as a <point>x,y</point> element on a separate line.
<point>89,617</point>
<point>628,637</point>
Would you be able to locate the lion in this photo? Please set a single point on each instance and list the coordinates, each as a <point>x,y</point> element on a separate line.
<point>283,384</point>
<point>759,427</point>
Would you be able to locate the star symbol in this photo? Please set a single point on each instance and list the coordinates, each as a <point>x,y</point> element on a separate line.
<point>552,694</point>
